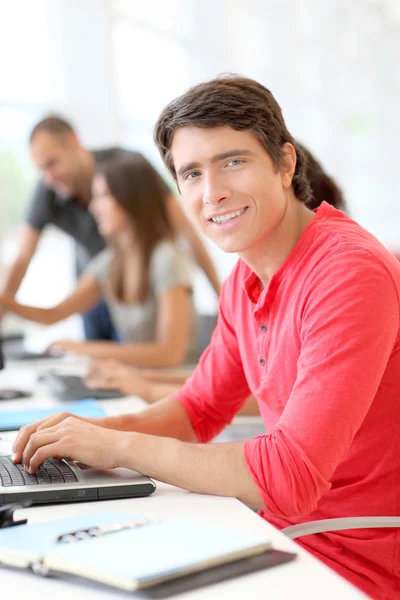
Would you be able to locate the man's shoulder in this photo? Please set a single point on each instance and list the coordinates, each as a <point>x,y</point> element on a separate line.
<point>42,206</point>
<point>349,242</point>
<point>347,257</point>
<point>105,154</point>
<point>43,194</point>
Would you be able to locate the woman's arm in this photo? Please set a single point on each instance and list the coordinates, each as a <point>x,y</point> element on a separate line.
<point>151,385</point>
<point>183,226</point>
<point>85,295</point>
<point>171,376</point>
<point>173,331</point>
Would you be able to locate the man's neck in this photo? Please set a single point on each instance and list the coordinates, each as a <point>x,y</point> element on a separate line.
<point>266,258</point>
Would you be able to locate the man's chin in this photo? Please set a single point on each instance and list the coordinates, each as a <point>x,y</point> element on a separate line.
<point>230,247</point>
<point>63,191</point>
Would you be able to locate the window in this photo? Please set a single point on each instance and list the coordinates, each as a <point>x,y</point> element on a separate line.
<point>24,91</point>
<point>151,69</point>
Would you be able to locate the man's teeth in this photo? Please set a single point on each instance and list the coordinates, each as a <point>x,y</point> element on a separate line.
<point>228,217</point>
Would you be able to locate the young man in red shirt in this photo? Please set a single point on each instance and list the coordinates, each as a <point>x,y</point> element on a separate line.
<point>308,324</point>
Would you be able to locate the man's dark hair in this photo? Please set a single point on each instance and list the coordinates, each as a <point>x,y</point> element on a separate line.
<point>240,103</point>
<point>323,187</point>
<point>52,124</point>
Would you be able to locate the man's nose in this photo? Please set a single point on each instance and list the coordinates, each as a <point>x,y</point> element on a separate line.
<point>215,191</point>
<point>48,178</point>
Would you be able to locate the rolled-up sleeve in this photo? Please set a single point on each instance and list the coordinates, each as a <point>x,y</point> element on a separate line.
<point>349,330</point>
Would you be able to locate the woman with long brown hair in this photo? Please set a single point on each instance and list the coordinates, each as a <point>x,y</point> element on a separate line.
<point>143,275</point>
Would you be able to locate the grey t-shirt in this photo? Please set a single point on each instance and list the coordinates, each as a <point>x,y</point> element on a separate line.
<point>47,207</point>
<point>137,323</point>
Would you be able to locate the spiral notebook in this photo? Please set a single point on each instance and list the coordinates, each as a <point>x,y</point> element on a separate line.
<point>132,552</point>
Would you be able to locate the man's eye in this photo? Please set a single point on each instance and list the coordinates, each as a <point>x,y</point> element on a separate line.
<point>192,175</point>
<point>234,162</point>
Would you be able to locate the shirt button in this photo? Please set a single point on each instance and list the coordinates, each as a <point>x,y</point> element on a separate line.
<point>263,328</point>
<point>262,362</point>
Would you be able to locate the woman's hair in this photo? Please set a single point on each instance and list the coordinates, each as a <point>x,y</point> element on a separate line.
<point>240,103</point>
<point>140,191</point>
<point>323,187</point>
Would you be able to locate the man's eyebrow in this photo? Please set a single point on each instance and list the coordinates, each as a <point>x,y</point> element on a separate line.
<point>188,167</point>
<point>216,158</point>
<point>230,154</point>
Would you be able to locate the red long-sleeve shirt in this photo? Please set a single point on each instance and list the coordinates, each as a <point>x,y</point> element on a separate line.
<point>319,347</point>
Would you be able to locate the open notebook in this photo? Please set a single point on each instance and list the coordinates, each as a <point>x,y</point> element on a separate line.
<point>130,552</point>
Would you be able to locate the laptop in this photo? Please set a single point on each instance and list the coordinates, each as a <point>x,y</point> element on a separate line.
<point>71,387</point>
<point>14,349</point>
<point>68,481</point>
<point>65,480</point>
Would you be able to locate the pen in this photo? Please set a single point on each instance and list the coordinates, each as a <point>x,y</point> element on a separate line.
<point>98,531</point>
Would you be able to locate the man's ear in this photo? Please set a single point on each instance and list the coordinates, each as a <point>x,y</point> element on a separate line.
<point>288,165</point>
<point>72,141</point>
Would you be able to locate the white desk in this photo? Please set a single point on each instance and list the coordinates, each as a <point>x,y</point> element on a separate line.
<point>305,578</point>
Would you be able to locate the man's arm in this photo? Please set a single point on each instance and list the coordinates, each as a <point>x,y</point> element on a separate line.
<point>38,215</point>
<point>27,243</point>
<point>218,469</point>
<point>167,418</point>
<point>84,296</point>
<point>183,226</point>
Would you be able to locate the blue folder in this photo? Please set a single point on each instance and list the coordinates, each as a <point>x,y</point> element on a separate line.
<point>10,420</point>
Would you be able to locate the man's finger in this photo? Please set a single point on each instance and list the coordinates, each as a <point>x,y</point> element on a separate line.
<point>53,420</point>
<point>50,450</point>
<point>38,440</point>
<point>22,439</point>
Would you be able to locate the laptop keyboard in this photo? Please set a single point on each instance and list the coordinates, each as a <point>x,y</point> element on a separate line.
<point>51,471</point>
<point>70,387</point>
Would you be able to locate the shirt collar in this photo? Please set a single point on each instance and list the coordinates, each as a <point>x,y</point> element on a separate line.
<point>252,285</point>
<point>62,200</point>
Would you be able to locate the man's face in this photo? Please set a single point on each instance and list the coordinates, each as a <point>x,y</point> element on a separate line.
<point>230,185</point>
<point>57,158</point>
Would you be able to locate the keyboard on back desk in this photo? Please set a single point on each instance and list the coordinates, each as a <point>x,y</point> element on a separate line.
<point>52,471</point>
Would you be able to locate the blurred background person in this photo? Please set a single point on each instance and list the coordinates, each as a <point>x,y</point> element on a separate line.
<point>62,197</point>
<point>143,275</point>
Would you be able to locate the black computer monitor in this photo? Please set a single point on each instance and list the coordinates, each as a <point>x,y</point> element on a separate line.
<point>9,394</point>
<point>1,355</point>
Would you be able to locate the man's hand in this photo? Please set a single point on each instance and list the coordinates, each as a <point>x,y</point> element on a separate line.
<point>64,346</point>
<point>114,375</point>
<point>71,438</point>
<point>27,431</point>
